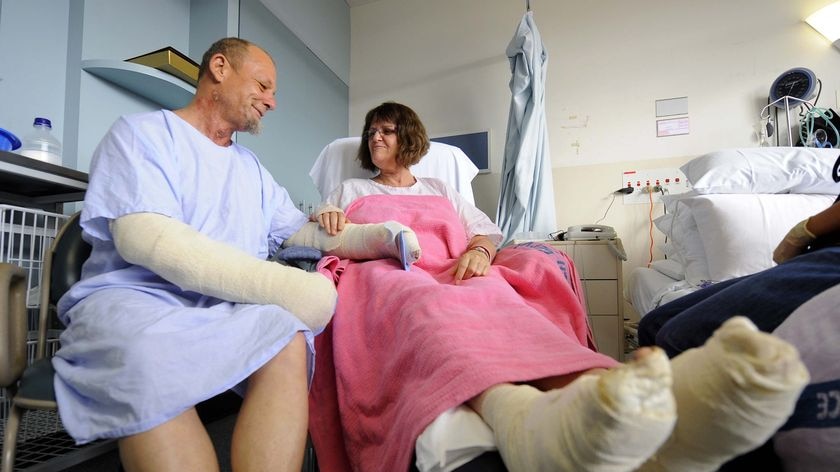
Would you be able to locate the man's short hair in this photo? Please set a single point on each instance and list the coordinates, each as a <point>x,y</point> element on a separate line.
<point>234,49</point>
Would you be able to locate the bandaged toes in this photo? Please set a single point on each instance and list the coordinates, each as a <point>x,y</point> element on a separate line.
<point>360,241</point>
<point>732,394</point>
<point>609,422</point>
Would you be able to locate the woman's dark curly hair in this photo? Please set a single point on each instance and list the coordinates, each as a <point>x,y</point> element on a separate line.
<point>411,134</point>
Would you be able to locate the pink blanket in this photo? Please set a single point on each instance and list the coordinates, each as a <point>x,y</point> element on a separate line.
<point>403,347</point>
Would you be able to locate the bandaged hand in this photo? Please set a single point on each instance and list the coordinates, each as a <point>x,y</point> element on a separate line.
<point>359,241</point>
<point>473,263</point>
<point>794,243</point>
<point>331,218</point>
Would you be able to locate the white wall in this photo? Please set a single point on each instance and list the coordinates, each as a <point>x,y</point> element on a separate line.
<point>609,60</point>
<point>320,24</point>
<point>108,34</point>
<point>44,43</point>
<point>33,46</point>
<point>311,103</point>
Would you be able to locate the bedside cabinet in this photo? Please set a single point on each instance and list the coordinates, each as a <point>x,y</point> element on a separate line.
<point>598,265</point>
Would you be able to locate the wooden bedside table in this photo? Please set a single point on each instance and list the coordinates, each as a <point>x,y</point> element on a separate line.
<point>599,267</point>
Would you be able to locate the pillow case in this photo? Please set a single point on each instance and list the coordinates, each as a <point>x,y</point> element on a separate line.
<point>669,267</point>
<point>764,170</point>
<point>684,244</point>
<point>337,162</point>
<point>738,232</point>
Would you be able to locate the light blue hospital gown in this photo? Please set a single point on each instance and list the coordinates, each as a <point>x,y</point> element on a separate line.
<point>138,350</point>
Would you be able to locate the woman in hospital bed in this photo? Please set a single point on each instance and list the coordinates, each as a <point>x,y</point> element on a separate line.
<point>506,335</point>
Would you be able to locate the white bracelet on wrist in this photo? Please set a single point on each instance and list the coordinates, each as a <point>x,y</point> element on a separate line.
<point>483,250</point>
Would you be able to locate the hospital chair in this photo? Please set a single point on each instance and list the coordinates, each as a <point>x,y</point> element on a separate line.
<point>336,163</point>
<point>31,387</point>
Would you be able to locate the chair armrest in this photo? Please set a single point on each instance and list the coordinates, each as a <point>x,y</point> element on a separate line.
<point>302,257</point>
<point>13,325</point>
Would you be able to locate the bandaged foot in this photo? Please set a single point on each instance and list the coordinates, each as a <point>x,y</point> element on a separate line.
<point>359,241</point>
<point>732,394</point>
<point>598,423</point>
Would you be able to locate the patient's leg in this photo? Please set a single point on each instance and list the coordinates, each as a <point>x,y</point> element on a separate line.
<point>732,394</point>
<point>608,422</point>
<point>359,241</point>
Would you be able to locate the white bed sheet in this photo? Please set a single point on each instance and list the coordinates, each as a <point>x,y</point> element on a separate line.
<point>650,288</point>
<point>718,237</point>
<point>723,236</point>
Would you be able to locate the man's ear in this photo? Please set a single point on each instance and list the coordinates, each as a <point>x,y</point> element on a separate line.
<point>219,66</point>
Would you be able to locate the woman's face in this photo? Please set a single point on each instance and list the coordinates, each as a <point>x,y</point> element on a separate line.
<point>383,145</point>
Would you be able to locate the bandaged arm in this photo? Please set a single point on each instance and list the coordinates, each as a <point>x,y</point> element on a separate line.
<point>194,262</point>
<point>359,241</point>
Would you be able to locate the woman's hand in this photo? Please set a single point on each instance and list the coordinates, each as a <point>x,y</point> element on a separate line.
<point>331,218</point>
<point>472,263</point>
<point>475,262</point>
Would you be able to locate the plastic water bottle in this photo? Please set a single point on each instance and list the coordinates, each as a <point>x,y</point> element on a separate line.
<point>41,144</point>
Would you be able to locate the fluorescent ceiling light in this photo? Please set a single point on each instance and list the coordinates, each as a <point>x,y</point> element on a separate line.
<point>827,22</point>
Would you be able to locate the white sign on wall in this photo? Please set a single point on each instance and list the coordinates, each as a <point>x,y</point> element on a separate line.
<point>672,127</point>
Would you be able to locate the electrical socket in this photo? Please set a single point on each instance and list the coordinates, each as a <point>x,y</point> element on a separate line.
<point>647,183</point>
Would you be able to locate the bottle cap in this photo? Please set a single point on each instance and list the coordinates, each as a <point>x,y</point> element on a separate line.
<point>42,121</point>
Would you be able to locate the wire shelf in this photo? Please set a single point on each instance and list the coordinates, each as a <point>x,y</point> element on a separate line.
<point>25,237</point>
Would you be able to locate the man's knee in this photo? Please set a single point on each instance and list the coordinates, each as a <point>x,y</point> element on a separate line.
<point>647,330</point>
<point>652,323</point>
<point>686,332</point>
<point>297,346</point>
<point>666,339</point>
<point>292,358</point>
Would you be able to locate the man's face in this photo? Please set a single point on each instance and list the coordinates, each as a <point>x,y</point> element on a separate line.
<point>249,91</point>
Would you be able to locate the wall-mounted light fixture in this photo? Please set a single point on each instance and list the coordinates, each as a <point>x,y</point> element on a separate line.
<point>826,21</point>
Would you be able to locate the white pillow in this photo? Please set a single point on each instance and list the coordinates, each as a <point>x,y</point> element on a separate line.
<point>764,170</point>
<point>739,231</point>
<point>669,267</point>
<point>337,162</point>
<point>684,244</point>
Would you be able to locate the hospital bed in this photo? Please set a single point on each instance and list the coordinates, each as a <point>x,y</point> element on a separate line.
<point>742,203</point>
<point>458,437</point>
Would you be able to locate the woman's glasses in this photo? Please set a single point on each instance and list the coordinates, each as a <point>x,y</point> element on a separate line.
<point>371,133</point>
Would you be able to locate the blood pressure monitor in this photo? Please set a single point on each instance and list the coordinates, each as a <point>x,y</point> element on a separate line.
<point>799,83</point>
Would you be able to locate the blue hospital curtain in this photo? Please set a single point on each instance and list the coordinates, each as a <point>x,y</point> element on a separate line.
<point>526,199</point>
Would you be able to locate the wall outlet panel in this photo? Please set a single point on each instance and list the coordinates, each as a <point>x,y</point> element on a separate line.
<point>646,184</point>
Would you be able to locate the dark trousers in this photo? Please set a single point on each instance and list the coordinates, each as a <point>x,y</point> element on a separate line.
<point>767,298</point>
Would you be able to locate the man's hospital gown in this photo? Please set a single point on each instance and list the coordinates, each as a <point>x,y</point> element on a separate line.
<point>138,350</point>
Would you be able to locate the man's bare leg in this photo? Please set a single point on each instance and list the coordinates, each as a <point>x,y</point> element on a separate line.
<point>179,444</point>
<point>270,431</point>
